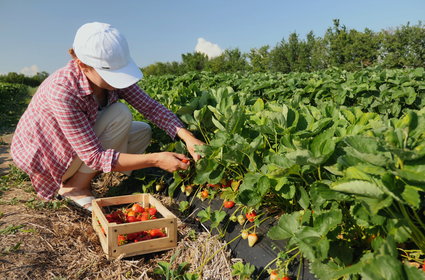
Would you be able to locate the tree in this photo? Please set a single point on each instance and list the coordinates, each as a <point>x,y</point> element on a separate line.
<point>194,61</point>
<point>259,59</point>
<point>404,47</point>
<point>279,59</point>
<point>231,60</point>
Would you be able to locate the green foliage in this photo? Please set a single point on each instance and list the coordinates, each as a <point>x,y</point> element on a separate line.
<point>243,271</point>
<point>15,78</point>
<point>16,94</point>
<point>337,155</point>
<point>347,49</point>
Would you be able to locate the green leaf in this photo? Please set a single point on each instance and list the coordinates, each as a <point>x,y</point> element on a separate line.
<point>258,106</point>
<point>177,180</point>
<point>254,187</point>
<point>411,196</point>
<point>327,221</point>
<point>358,187</point>
<point>218,124</point>
<point>383,267</point>
<point>323,144</point>
<point>288,226</point>
<point>304,199</point>
<point>413,173</point>
<point>217,217</point>
<point>205,215</point>
<point>312,244</point>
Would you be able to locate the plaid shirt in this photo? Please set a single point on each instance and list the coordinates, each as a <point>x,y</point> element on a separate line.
<point>58,125</point>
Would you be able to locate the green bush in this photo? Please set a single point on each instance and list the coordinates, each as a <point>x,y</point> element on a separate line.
<point>13,101</point>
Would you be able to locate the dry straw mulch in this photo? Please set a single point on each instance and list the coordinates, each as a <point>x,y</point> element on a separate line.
<point>61,244</point>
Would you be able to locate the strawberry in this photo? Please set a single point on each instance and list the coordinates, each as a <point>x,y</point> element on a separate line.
<point>225,184</point>
<point>152,211</point>
<point>241,219</point>
<point>155,233</point>
<point>244,234</point>
<point>143,216</point>
<point>185,160</point>
<point>137,208</point>
<point>274,275</point>
<point>233,218</point>
<point>131,219</point>
<point>188,190</point>
<point>251,216</point>
<point>159,187</point>
<point>204,195</point>
<point>228,204</point>
<point>132,236</point>
<point>122,239</point>
<point>252,239</point>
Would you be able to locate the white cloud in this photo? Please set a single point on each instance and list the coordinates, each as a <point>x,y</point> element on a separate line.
<point>210,49</point>
<point>30,70</point>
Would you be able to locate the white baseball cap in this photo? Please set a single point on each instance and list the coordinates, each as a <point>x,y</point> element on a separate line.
<point>104,48</point>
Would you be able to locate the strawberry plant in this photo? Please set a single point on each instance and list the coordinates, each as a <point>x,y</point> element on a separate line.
<point>337,156</point>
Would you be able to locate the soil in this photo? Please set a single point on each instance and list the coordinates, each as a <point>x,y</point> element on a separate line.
<point>40,240</point>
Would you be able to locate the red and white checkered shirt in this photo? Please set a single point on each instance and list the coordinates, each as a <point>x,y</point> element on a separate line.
<point>58,125</point>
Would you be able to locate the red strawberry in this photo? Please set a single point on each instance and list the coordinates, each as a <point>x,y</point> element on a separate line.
<point>137,208</point>
<point>122,239</point>
<point>228,204</point>
<point>274,275</point>
<point>152,211</point>
<point>143,216</point>
<point>155,233</point>
<point>251,216</point>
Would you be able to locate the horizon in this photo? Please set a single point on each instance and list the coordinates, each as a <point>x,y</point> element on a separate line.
<point>161,31</point>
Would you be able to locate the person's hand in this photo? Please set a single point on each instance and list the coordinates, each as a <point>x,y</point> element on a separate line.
<point>190,144</point>
<point>172,161</point>
<point>191,141</point>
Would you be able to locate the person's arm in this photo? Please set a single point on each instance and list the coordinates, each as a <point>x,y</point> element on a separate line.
<point>161,116</point>
<point>165,160</point>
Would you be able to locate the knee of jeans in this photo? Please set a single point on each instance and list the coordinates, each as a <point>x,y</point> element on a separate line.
<point>122,113</point>
<point>149,131</point>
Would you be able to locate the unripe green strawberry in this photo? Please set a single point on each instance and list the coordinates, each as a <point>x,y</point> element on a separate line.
<point>244,234</point>
<point>241,219</point>
<point>233,218</point>
<point>252,239</point>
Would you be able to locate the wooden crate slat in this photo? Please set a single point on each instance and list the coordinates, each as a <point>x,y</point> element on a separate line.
<point>109,242</point>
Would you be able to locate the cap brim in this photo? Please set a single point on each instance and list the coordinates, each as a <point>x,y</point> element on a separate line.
<point>123,77</point>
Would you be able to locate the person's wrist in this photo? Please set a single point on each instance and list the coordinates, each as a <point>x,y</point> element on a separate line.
<point>155,159</point>
<point>185,134</point>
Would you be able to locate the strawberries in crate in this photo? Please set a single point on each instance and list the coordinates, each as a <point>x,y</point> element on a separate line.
<point>128,220</point>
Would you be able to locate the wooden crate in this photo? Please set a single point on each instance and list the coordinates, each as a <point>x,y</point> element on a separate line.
<point>108,232</point>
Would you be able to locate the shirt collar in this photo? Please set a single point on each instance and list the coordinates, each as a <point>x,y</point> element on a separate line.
<point>82,81</point>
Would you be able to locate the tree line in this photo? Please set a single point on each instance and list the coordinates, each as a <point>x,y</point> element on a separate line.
<point>340,47</point>
<point>15,78</point>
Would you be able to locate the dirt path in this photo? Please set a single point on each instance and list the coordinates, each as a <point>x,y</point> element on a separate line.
<point>5,158</point>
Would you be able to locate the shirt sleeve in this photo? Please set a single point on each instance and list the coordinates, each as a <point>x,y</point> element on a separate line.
<point>78,131</point>
<point>155,112</point>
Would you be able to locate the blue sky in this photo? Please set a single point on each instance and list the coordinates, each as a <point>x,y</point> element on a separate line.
<point>35,35</point>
